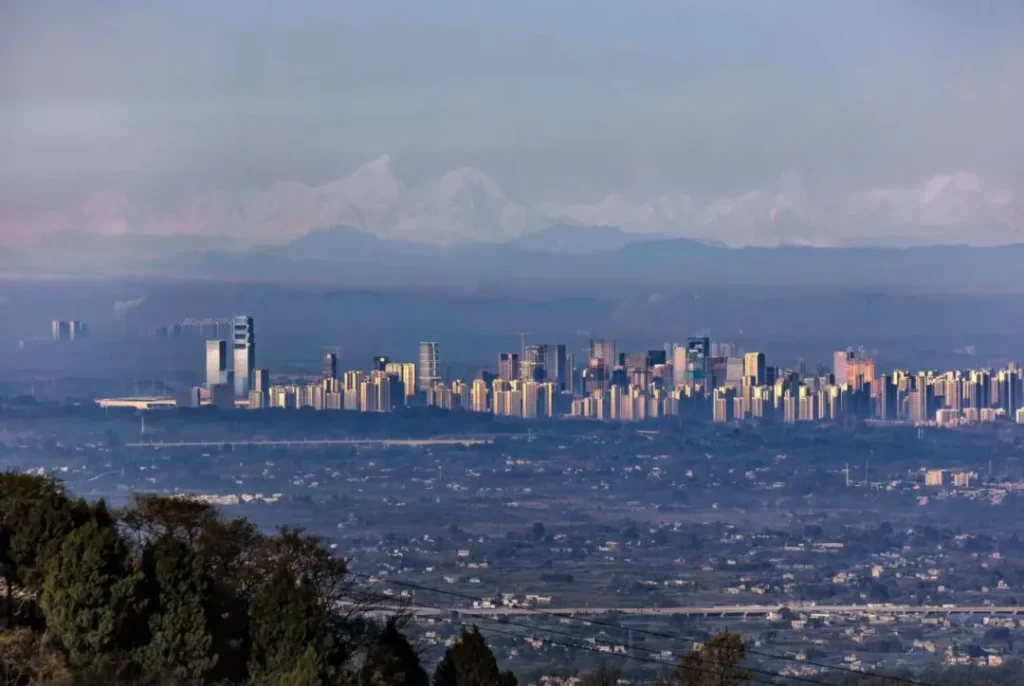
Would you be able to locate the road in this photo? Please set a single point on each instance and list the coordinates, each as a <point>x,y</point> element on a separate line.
<point>313,442</point>
<point>729,610</point>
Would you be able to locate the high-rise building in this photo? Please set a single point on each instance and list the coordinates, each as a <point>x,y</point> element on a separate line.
<point>478,396</point>
<point>697,353</point>
<point>508,366</point>
<point>602,354</point>
<point>430,370</point>
<point>77,330</point>
<point>840,360</point>
<point>60,330</point>
<point>259,396</point>
<point>380,363</point>
<point>406,371</point>
<point>754,369</point>
<point>555,361</point>
<point>331,366</point>
<point>244,338</point>
<point>531,367</point>
<point>886,400</point>
<point>216,363</point>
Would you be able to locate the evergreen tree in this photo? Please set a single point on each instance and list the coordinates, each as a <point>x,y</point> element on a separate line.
<point>91,596</point>
<point>35,516</point>
<point>392,661</point>
<point>306,672</point>
<point>287,620</point>
<point>180,643</point>
<point>470,662</point>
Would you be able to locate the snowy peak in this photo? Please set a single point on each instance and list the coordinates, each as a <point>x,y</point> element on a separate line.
<point>467,204</point>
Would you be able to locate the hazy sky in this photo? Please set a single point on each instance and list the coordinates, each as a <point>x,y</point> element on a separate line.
<point>554,98</point>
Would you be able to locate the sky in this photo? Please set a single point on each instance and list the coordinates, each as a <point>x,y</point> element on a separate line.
<point>558,100</point>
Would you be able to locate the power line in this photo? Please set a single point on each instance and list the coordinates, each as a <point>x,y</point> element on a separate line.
<point>591,649</point>
<point>608,643</point>
<point>674,637</point>
<point>637,658</point>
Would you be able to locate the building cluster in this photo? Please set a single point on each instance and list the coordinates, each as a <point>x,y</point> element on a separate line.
<point>698,379</point>
<point>73,330</point>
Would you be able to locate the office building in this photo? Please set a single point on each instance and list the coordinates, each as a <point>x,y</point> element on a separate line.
<point>380,363</point>
<point>244,344</point>
<point>77,330</point>
<point>406,371</point>
<point>60,330</point>
<point>508,366</point>
<point>216,363</point>
<point>754,369</point>
<point>555,360</point>
<point>531,366</point>
<point>430,370</point>
<point>331,366</point>
<point>697,353</point>
<point>602,354</point>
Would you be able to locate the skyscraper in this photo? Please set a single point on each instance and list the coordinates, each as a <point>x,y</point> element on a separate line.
<point>531,367</point>
<point>840,360</point>
<point>602,354</point>
<point>216,363</point>
<point>244,338</point>
<point>754,369</point>
<point>380,363</point>
<point>697,352</point>
<point>430,372</point>
<point>330,366</point>
<point>508,366</point>
<point>555,364</point>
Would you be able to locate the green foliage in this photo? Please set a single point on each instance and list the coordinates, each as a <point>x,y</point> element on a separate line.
<point>35,516</point>
<point>91,596</point>
<point>168,593</point>
<point>306,671</point>
<point>287,620</point>
<point>391,661</point>
<point>180,643</point>
<point>470,662</point>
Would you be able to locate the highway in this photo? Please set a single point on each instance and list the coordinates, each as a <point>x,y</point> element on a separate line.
<point>729,610</point>
<point>314,442</point>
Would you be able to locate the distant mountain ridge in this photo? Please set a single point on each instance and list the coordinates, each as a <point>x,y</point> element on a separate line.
<point>351,257</point>
<point>466,204</point>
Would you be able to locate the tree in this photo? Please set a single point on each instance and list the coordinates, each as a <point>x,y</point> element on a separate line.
<point>26,661</point>
<point>470,662</point>
<point>180,642</point>
<point>287,621</point>
<point>306,672</point>
<point>714,663</point>
<point>92,596</point>
<point>392,661</point>
<point>35,516</point>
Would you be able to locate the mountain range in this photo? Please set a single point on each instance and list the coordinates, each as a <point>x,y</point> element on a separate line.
<point>558,257</point>
<point>467,205</point>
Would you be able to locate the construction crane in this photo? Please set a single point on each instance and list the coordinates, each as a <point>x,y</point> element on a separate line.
<point>522,344</point>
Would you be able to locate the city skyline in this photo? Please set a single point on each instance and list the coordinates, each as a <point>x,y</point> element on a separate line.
<point>700,379</point>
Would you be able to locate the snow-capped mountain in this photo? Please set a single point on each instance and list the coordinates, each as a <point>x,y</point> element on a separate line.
<point>466,204</point>
<point>783,213</point>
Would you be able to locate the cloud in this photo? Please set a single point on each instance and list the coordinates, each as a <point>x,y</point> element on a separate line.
<point>123,306</point>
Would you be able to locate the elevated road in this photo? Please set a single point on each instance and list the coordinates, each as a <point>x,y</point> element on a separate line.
<point>730,610</point>
<point>315,442</point>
